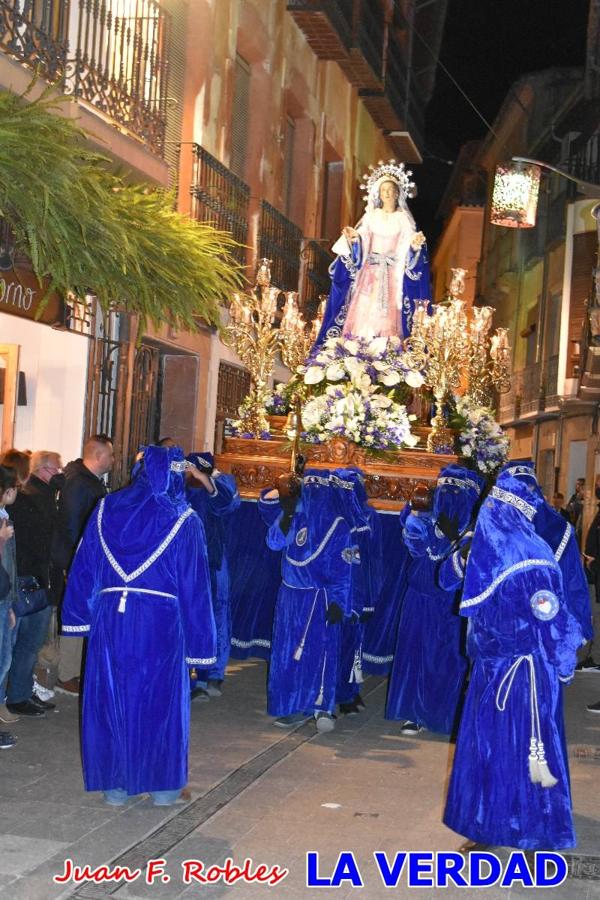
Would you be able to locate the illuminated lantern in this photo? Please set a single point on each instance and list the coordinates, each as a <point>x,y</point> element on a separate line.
<point>515,197</point>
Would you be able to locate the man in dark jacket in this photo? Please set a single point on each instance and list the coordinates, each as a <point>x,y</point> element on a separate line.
<point>83,488</point>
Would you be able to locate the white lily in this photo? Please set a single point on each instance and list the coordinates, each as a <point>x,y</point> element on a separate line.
<point>414,379</point>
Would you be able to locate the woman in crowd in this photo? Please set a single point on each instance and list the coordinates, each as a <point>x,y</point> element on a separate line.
<point>8,592</point>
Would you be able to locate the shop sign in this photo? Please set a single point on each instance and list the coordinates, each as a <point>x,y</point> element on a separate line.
<point>21,295</point>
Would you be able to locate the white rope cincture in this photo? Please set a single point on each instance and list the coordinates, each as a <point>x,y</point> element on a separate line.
<point>539,771</point>
<point>127,578</point>
<point>356,675</point>
<point>300,648</point>
<point>125,590</point>
<point>321,695</point>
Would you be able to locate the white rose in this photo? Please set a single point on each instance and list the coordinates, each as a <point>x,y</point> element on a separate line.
<point>411,440</point>
<point>351,347</point>
<point>380,365</point>
<point>314,374</point>
<point>413,379</point>
<point>381,402</point>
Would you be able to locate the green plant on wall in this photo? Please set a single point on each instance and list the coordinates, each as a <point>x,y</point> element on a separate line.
<point>87,230</point>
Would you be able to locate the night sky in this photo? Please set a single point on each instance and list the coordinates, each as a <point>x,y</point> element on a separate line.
<point>487,45</point>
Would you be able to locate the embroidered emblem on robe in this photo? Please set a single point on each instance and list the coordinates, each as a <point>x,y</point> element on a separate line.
<point>544,605</point>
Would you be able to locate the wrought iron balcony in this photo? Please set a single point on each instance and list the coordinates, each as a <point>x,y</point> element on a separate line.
<point>316,281</point>
<point>531,392</point>
<point>118,64</point>
<point>586,163</point>
<point>220,198</point>
<point>326,24</point>
<point>363,66</point>
<point>396,107</point>
<point>35,32</point>
<point>280,241</point>
<point>551,391</point>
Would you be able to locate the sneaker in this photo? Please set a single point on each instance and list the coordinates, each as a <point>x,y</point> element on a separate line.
<point>7,740</point>
<point>26,708</point>
<point>7,717</point>
<point>43,704</point>
<point>70,687</point>
<point>594,707</point>
<point>348,709</point>
<point>411,728</point>
<point>213,688</point>
<point>200,694</point>
<point>587,665</point>
<point>290,721</point>
<point>325,722</point>
<point>43,693</point>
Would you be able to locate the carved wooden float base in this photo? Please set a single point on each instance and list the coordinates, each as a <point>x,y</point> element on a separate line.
<point>389,480</point>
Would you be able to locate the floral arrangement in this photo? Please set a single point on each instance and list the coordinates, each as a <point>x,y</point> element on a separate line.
<point>481,440</point>
<point>365,363</point>
<point>357,389</point>
<point>234,428</point>
<point>362,415</point>
<point>278,402</point>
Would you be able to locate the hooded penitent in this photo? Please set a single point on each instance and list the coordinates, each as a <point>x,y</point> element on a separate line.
<point>560,537</point>
<point>430,665</point>
<point>510,783</point>
<point>139,587</point>
<point>320,552</point>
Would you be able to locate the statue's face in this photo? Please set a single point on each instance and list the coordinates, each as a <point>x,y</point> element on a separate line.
<point>388,194</point>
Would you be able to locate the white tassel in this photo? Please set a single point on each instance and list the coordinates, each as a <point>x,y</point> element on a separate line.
<point>299,650</point>
<point>319,699</point>
<point>356,674</point>
<point>534,769</point>
<point>547,779</point>
<point>123,601</point>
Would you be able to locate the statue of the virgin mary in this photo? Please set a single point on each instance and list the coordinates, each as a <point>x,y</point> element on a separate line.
<point>382,265</point>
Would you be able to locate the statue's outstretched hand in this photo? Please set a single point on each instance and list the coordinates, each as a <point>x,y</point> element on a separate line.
<point>351,234</point>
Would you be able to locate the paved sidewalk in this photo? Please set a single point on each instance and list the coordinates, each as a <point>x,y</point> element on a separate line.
<point>261,793</point>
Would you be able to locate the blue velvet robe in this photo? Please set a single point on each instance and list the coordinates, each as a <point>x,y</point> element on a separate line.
<point>560,537</point>
<point>214,510</point>
<point>522,640</point>
<point>430,665</point>
<point>416,286</point>
<point>144,632</point>
<point>381,630</point>
<point>319,555</point>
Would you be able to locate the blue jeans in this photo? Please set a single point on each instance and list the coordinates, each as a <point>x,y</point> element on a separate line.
<point>6,643</point>
<point>29,637</point>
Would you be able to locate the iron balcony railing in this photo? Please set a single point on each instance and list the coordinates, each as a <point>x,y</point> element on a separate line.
<point>280,241</point>
<point>36,32</point>
<point>316,280</point>
<point>586,163</point>
<point>552,382</point>
<point>220,198</point>
<point>370,34</point>
<point>111,54</point>
<point>119,64</point>
<point>530,389</point>
<point>338,13</point>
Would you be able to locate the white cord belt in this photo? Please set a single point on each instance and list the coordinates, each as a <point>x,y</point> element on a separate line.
<point>125,590</point>
<point>539,772</point>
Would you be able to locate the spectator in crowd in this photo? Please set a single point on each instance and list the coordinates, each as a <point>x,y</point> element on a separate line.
<point>20,461</point>
<point>34,516</point>
<point>575,508</point>
<point>591,557</point>
<point>8,593</point>
<point>558,502</point>
<point>82,489</point>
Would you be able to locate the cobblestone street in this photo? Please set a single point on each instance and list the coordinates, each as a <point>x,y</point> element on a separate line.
<point>261,793</point>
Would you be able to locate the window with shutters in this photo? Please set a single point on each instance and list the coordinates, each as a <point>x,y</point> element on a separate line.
<point>240,116</point>
<point>333,184</point>
<point>174,110</point>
